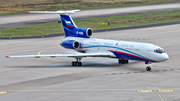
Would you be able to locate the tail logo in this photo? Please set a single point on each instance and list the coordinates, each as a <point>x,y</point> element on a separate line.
<point>68,23</point>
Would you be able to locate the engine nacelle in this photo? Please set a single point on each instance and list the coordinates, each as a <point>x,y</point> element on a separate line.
<point>84,32</point>
<point>71,44</point>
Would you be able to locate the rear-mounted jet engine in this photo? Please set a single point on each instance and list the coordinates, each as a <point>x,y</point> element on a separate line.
<point>71,44</point>
<point>84,32</point>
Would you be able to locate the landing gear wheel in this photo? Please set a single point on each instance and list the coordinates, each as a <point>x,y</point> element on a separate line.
<point>79,63</point>
<point>126,61</point>
<point>75,63</point>
<point>148,68</point>
<point>123,61</point>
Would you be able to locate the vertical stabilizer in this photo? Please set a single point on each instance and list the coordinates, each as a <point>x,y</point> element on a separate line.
<point>70,28</point>
<point>69,25</point>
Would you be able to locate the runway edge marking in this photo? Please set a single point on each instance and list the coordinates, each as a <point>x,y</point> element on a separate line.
<point>2,92</point>
<point>145,90</point>
<point>166,90</point>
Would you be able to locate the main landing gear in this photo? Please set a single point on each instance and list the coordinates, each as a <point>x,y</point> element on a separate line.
<point>123,61</point>
<point>148,68</point>
<point>77,62</point>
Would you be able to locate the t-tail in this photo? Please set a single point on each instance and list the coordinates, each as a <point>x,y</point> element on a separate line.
<point>70,28</point>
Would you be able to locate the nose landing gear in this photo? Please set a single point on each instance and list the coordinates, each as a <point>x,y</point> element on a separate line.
<point>148,68</point>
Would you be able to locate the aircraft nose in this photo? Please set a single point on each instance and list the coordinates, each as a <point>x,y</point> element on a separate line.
<point>165,57</point>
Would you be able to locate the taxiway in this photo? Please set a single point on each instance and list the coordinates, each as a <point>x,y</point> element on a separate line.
<point>39,79</point>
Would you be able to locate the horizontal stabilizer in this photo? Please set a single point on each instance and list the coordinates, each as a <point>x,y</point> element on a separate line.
<point>54,12</point>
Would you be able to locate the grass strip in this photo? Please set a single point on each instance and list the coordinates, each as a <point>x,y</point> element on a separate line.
<point>9,7</point>
<point>115,22</point>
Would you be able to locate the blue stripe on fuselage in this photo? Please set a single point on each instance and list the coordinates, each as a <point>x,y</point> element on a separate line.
<point>135,57</point>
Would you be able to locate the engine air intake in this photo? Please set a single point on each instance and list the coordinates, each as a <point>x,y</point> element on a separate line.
<point>71,44</point>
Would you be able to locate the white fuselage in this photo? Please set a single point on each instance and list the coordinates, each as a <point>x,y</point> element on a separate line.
<point>121,49</point>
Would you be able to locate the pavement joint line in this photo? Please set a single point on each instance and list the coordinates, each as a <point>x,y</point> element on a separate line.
<point>151,34</point>
<point>160,96</point>
<point>97,90</point>
<point>68,90</point>
<point>159,71</point>
<point>3,60</point>
<point>172,73</point>
<point>176,88</point>
<point>20,51</point>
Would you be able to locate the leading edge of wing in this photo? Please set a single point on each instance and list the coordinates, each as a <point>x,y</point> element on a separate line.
<point>94,54</point>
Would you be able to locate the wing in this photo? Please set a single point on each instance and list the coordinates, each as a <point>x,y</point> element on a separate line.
<point>74,55</point>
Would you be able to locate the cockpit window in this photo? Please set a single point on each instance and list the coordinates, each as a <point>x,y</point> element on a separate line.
<point>158,50</point>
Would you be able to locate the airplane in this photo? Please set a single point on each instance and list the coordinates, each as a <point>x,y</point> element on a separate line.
<point>78,39</point>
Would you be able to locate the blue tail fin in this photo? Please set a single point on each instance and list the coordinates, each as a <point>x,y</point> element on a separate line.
<point>70,28</point>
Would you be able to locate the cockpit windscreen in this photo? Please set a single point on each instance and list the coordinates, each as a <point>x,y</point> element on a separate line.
<point>158,50</point>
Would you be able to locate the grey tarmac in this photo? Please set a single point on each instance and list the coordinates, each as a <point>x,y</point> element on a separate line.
<point>99,79</point>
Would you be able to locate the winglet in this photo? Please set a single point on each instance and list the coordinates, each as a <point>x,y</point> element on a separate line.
<point>7,56</point>
<point>27,11</point>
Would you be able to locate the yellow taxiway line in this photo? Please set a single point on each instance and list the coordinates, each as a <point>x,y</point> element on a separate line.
<point>160,96</point>
<point>48,57</point>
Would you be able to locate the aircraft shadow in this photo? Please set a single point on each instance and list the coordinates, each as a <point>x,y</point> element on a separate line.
<point>84,65</point>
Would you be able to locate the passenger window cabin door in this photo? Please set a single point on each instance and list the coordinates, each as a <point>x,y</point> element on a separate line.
<point>118,50</point>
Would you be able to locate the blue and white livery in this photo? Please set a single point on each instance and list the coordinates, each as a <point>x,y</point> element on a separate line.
<point>79,40</point>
